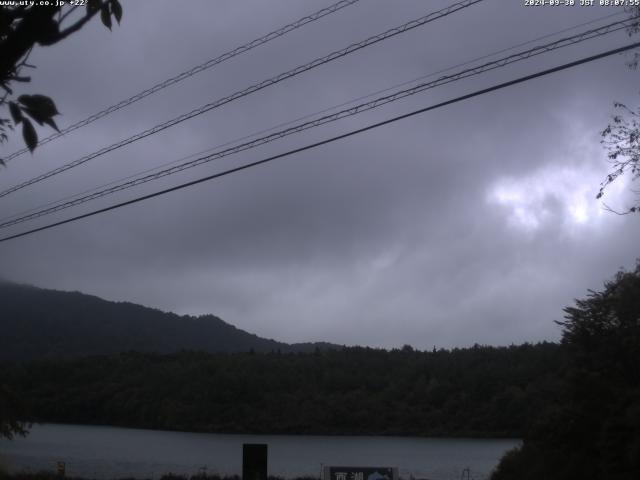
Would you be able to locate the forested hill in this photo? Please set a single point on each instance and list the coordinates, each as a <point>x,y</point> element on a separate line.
<point>45,324</point>
<point>479,391</point>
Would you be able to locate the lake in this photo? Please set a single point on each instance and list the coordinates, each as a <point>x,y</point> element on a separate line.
<point>110,452</point>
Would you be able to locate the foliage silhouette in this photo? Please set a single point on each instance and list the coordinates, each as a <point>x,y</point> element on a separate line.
<point>22,27</point>
<point>479,391</point>
<point>594,429</point>
<point>621,137</point>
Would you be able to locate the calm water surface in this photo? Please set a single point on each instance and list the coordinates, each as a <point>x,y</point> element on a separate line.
<point>109,452</point>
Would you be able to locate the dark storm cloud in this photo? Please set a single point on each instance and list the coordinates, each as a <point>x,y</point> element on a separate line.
<point>473,223</point>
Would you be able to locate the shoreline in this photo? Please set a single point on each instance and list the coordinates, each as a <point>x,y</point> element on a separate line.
<point>443,436</point>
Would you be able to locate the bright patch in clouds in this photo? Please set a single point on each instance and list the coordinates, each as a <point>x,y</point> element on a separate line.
<point>565,196</point>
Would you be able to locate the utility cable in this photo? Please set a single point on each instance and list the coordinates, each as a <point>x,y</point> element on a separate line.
<point>329,140</point>
<point>307,116</point>
<point>192,71</point>
<point>310,115</point>
<point>254,88</point>
<point>502,62</point>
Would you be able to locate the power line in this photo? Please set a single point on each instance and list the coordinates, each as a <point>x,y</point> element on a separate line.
<point>193,71</point>
<point>330,140</point>
<point>328,109</point>
<point>311,115</point>
<point>252,89</point>
<point>499,63</point>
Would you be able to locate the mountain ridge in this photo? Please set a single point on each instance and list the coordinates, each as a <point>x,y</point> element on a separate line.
<point>40,323</point>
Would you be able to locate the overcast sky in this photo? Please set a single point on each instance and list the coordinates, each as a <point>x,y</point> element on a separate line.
<point>475,222</point>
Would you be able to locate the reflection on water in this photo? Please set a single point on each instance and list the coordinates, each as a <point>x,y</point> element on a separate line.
<point>108,452</point>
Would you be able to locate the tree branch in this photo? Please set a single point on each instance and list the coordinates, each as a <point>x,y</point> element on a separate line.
<point>66,14</point>
<point>609,209</point>
<point>17,43</point>
<point>78,25</point>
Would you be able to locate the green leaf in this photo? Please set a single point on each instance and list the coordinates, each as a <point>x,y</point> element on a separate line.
<point>105,16</point>
<point>40,108</point>
<point>52,124</point>
<point>116,9</point>
<point>34,115</point>
<point>93,6</point>
<point>29,134</point>
<point>16,114</point>
<point>41,104</point>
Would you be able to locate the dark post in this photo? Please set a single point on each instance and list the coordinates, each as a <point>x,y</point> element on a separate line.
<point>254,461</point>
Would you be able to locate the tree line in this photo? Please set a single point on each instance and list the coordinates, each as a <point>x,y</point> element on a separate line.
<point>480,391</point>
